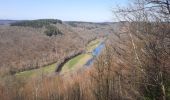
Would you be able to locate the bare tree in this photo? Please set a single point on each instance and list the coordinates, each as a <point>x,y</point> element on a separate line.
<point>148,30</point>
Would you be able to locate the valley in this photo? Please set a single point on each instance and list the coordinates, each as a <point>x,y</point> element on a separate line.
<point>74,64</point>
<point>34,53</point>
<point>85,50</point>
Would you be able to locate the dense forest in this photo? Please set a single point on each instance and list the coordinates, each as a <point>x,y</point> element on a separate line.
<point>37,23</point>
<point>47,23</point>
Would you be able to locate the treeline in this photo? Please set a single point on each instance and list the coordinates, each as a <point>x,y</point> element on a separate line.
<point>37,23</point>
<point>47,23</point>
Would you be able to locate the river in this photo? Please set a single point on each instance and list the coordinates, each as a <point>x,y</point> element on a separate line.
<point>95,53</point>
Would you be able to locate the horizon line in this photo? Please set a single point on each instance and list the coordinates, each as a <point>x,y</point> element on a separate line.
<point>57,19</point>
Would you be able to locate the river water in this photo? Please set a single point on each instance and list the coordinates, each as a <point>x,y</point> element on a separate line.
<point>95,53</point>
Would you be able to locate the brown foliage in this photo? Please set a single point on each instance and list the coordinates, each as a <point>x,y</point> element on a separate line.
<point>25,48</point>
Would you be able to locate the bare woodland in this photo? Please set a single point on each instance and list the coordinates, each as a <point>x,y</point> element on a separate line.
<point>135,64</point>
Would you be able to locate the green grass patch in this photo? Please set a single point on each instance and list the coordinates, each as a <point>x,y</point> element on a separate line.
<point>37,72</point>
<point>79,61</point>
<point>74,61</point>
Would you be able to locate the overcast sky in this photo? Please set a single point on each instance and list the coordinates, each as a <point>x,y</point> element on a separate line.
<point>67,10</point>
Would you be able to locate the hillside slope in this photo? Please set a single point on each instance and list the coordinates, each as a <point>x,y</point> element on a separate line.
<point>24,48</point>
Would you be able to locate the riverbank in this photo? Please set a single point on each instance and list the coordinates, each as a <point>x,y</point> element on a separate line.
<point>76,63</point>
<point>80,61</point>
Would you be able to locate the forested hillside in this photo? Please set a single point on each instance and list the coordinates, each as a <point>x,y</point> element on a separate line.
<point>27,45</point>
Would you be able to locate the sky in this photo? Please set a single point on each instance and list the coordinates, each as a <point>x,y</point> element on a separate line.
<point>67,10</point>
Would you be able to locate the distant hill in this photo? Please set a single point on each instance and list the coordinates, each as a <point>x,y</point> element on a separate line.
<point>40,23</point>
<point>75,23</point>
<point>100,26</point>
<point>7,22</point>
<point>37,23</point>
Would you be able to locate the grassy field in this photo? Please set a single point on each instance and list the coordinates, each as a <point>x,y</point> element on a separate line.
<point>76,63</point>
<point>79,61</point>
<point>37,72</point>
